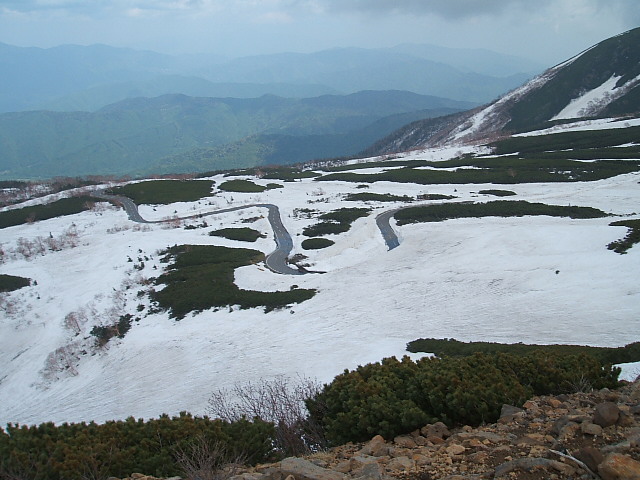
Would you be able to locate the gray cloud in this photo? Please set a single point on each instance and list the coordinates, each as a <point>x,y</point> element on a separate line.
<point>626,10</point>
<point>451,9</point>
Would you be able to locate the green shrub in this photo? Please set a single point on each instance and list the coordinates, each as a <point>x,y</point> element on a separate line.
<point>59,208</point>
<point>498,208</point>
<point>497,193</point>
<point>241,186</point>
<point>377,197</point>
<point>244,234</point>
<point>454,348</point>
<point>335,222</point>
<point>435,196</point>
<point>79,451</point>
<point>497,170</point>
<point>163,192</point>
<point>325,228</point>
<point>633,236</point>
<point>9,283</point>
<point>104,333</point>
<point>316,243</point>
<point>200,277</point>
<point>394,397</point>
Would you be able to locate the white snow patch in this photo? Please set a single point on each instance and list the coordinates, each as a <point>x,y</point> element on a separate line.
<point>590,101</point>
<point>599,124</point>
<point>529,279</point>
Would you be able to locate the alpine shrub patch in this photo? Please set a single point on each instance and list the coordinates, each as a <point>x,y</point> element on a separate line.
<point>118,448</point>
<point>633,236</point>
<point>200,277</point>
<point>9,283</point>
<point>498,208</point>
<point>163,192</point>
<point>241,186</point>
<point>451,347</point>
<point>377,197</point>
<point>59,208</point>
<point>398,396</point>
<point>316,243</point>
<point>244,234</point>
<point>497,193</point>
<point>335,222</point>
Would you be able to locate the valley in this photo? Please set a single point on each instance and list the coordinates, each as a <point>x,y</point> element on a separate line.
<point>501,279</point>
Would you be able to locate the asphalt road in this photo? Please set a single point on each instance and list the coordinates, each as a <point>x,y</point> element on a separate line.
<point>389,236</point>
<point>276,261</point>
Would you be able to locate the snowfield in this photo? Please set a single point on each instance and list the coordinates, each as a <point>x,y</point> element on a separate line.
<point>530,279</point>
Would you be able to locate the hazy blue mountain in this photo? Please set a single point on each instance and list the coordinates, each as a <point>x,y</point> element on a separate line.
<point>131,136</point>
<point>72,77</point>
<point>356,69</point>
<point>94,98</point>
<point>478,60</point>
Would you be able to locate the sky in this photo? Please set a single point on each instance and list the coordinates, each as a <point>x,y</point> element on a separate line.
<point>547,31</point>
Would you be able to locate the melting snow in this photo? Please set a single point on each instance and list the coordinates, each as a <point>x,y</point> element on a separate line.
<point>590,102</point>
<point>530,279</point>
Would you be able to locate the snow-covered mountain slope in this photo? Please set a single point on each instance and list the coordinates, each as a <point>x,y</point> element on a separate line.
<point>603,81</point>
<point>528,279</point>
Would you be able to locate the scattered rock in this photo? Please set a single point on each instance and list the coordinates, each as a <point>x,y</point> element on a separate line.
<point>590,456</point>
<point>619,467</point>
<point>591,429</point>
<point>553,438</point>
<point>303,469</point>
<point>606,414</point>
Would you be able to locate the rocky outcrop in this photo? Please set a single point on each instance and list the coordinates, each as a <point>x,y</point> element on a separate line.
<point>580,436</point>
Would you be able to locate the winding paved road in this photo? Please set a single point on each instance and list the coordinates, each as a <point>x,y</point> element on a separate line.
<point>389,236</point>
<point>276,261</point>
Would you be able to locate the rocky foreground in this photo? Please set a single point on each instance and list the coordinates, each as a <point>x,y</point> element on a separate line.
<point>578,436</point>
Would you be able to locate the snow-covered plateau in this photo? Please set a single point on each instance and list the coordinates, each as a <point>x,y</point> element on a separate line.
<point>529,279</point>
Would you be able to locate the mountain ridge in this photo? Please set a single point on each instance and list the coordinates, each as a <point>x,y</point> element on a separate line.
<point>605,77</point>
<point>62,77</point>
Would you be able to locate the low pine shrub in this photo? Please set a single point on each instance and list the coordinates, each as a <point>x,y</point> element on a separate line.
<point>163,192</point>
<point>9,283</point>
<point>115,449</point>
<point>633,236</point>
<point>244,234</point>
<point>316,243</point>
<point>398,396</point>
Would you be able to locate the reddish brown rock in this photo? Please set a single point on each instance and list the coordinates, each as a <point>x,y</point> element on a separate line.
<point>606,414</point>
<point>619,467</point>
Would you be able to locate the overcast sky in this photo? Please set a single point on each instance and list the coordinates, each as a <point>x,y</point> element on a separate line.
<point>548,31</point>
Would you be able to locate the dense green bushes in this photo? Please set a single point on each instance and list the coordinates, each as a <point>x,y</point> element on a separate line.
<point>316,243</point>
<point>244,234</point>
<point>9,283</point>
<point>241,186</point>
<point>59,208</point>
<point>499,208</point>
<point>394,397</point>
<point>200,277</point>
<point>377,197</point>
<point>633,236</point>
<point>497,170</point>
<point>81,451</point>
<point>497,193</point>
<point>163,192</point>
<point>451,347</point>
<point>338,221</point>
<point>591,139</point>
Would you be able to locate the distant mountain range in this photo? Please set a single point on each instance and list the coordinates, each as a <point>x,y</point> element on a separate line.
<point>174,133</point>
<point>178,133</point>
<point>79,78</point>
<point>603,81</point>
